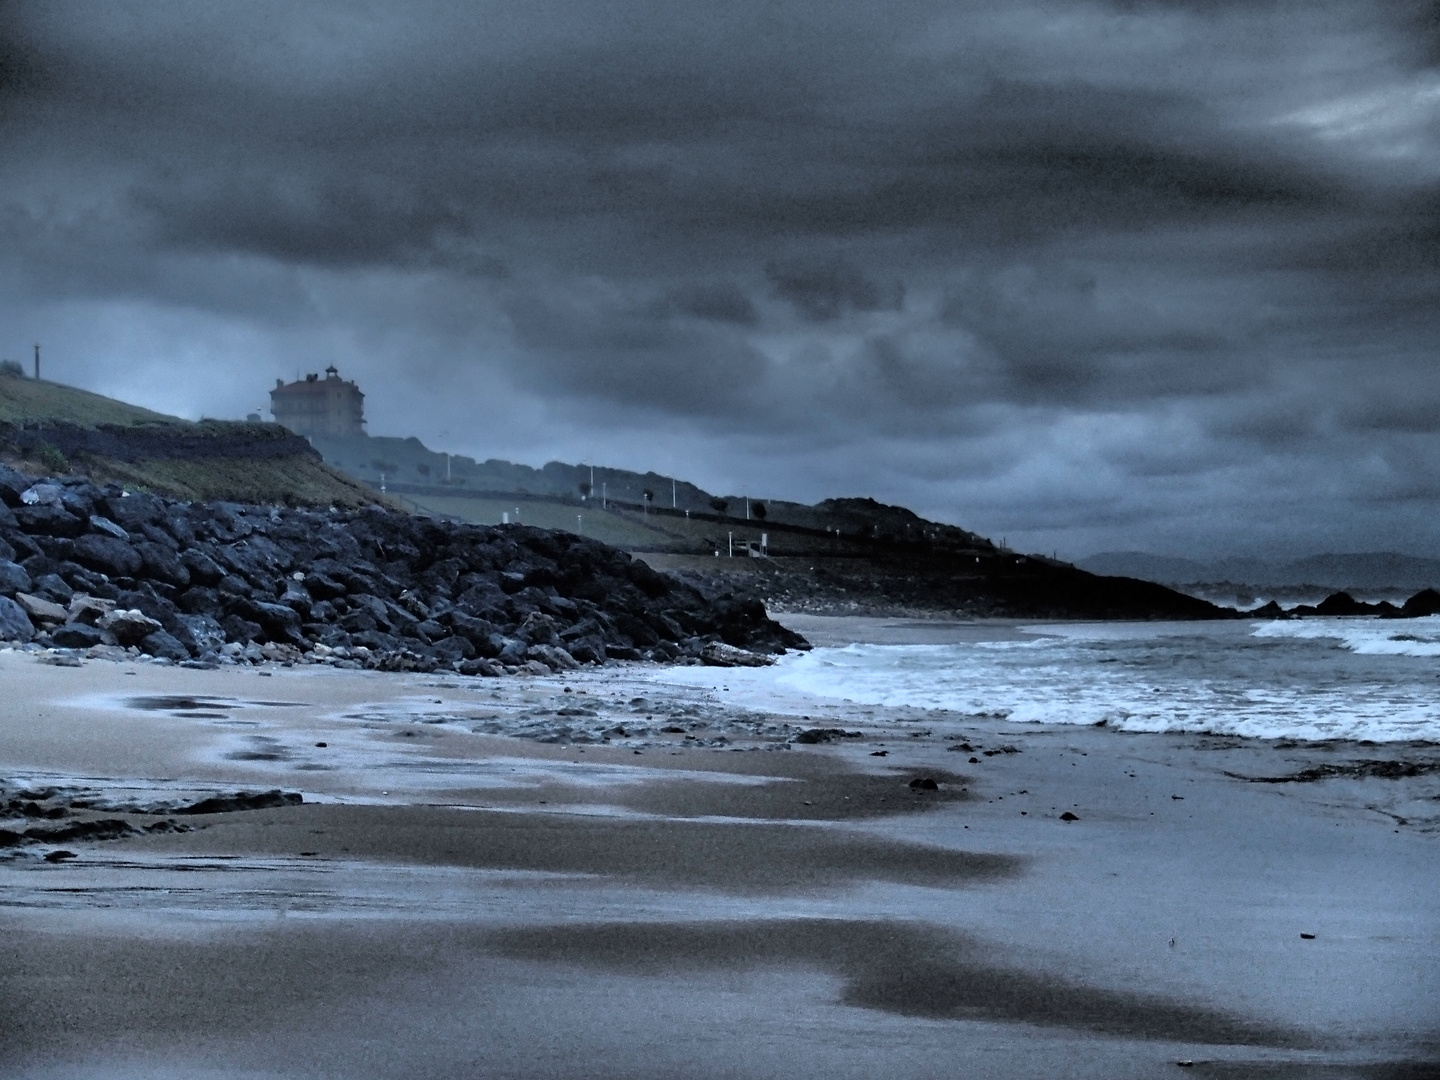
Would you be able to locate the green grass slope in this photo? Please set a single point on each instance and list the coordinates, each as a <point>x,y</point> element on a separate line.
<point>28,401</point>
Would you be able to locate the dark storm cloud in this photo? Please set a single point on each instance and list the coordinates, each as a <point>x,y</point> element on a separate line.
<point>826,290</point>
<point>722,301</point>
<point>1064,268</point>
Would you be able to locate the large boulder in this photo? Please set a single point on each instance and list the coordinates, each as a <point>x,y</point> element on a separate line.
<point>323,586</point>
<point>453,648</point>
<point>106,527</point>
<point>159,563</point>
<point>13,578</point>
<point>164,645</point>
<point>107,554</point>
<point>13,485</point>
<point>588,650</point>
<point>202,568</point>
<point>718,654</point>
<point>46,519</point>
<point>44,493</point>
<point>241,630</point>
<point>199,633</point>
<point>539,629</point>
<point>130,627</point>
<point>88,609</point>
<point>79,636</point>
<point>15,625</point>
<point>147,602</point>
<point>279,622</point>
<point>134,510</point>
<point>53,587</point>
<point>41,610</point>
<point>553,657</point>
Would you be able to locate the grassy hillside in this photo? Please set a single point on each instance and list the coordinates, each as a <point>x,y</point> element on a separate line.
<point>49,428</point>
<point>27,401</point>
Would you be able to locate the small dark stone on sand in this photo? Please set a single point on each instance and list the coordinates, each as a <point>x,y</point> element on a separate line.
<point>879,753</point>
<point>1068,816</point>
<point>924,783</point>
<point>824,735</point>
<point>974,761</point>
<point>243,800</point>
<point>59,856</point>
<point>1308,937</point>
<point>321,744</point>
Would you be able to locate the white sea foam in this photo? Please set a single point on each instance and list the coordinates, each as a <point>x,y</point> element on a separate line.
<point>1374,637</point>
<point>1317,679</point>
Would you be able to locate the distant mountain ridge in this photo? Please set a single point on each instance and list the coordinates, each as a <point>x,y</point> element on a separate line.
<point>1358,570</point>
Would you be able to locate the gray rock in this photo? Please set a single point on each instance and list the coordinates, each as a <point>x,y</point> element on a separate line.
<point>718,654</point>
<point>453,648</point>
<point>104,525</point>
<point>161,564</point>
<point>552,656</point>
<point>130,627</point>
<point>241,630</point>
<point>298,599</point>
<point>233,585</point>
<point>203,569</point>
<point>200,634</point>
<point>88,609</point>
<point>323,586</point>
<point>164,645</point>
<point>15,625</point>
<point>279,622</point>
<point>488,668</point>
<point>13,578</point>
<point>39,609</point>
<point>376,640</point>
<point>539,629</point>
<point>47,520</point>
<point>588,650</point>
<point>108,555</point>
<point>79,636</point>
<point>513,651</point>
<point>42,494</point>
<point>134,510</point>
<point>12,484</point>
<point>53,587</point>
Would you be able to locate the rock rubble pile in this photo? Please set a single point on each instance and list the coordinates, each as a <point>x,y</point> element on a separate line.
<point>115,572</point>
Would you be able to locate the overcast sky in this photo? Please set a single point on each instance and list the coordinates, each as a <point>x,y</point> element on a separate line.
<point>1087,276</point>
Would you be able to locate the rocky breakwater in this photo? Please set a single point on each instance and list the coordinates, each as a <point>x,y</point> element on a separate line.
<point>119,573</point>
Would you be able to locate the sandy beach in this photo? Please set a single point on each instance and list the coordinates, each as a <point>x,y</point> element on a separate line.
<point>619,873</point>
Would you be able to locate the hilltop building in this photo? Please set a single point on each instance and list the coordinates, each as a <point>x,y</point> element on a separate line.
<point>316,406</point>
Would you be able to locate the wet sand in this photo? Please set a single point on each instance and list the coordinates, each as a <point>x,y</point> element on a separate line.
<point>503,878</point>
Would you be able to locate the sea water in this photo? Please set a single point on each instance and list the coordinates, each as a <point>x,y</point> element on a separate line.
<point>1311,679</point>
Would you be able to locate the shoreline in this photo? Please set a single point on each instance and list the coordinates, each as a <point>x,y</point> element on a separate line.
<point>618,908</point>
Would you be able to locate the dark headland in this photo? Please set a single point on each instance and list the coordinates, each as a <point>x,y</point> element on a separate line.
<point>212,542</point>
